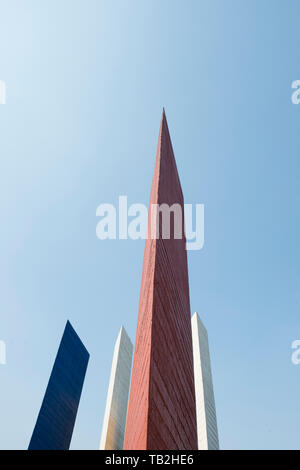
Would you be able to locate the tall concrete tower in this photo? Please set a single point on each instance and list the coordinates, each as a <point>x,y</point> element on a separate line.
<point>113,429</point>
<point>56,419</point>
<point>205,400</point>
<point>162,410</point>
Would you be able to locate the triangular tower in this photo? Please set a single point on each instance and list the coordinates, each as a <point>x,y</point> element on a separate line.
<point>161,410</point>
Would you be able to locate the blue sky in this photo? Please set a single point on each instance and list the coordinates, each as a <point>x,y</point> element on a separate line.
<point>86,82</point>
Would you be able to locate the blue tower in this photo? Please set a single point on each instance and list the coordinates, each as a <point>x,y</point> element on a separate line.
<point>56,419</point>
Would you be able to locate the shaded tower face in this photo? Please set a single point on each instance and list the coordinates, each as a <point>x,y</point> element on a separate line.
<point>162,411</point>
<point>56,419</point>
<point>205,400</point>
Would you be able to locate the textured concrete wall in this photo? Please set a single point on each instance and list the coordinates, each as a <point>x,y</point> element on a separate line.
<point>56,419</point>
<point>162,410</point>
<point>205,401</point>
<point>113,429</point>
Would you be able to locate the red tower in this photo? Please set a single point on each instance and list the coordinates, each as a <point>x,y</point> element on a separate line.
<point>161,410</point>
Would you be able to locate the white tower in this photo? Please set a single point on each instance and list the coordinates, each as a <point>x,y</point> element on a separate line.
<point>205,401</point>
<point>117,396</point>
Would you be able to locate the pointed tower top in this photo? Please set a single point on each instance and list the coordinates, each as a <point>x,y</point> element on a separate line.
<point>196,320</point>
<point>123,333</point>
<point>164,128</point>
<point>166,187</point>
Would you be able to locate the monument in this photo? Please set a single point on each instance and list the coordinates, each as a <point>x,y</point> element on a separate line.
<point>56,419</point>
<point>162,410</point>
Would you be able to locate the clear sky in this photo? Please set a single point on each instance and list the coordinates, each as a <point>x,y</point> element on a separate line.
<point>86,81</point>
